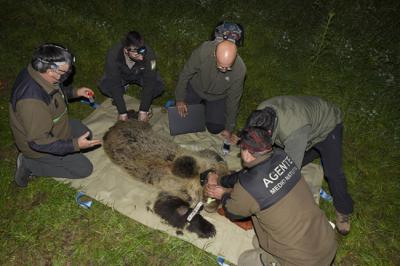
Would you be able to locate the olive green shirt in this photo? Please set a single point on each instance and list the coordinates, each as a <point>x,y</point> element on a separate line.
<point>302,122</point>
<point>210,83</point>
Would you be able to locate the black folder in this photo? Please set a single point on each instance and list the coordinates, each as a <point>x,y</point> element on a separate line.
<point>194,121</point>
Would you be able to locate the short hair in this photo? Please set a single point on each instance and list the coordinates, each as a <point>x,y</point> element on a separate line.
<point>47,55</point>
<point>264,118</point>
<point>133,38</point>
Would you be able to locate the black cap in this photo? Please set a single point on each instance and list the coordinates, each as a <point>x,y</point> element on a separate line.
<point>264,118</point>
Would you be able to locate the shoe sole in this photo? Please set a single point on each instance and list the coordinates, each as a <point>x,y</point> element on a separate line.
<point>19,163</point>
<point>343,233</point>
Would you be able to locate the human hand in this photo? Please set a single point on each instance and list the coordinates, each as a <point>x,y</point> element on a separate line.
<point>226,135</point>
<point>85,92</point>
<point>182,108</point>
<point>215,191</point>
<point>234,139</point>
<point>143,116</point>
<point>123,117</point>
<point>84,143</point>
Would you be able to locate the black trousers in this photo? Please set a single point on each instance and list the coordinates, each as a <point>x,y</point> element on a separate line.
<point>74,165</point>
<point>115,89</point>
<point>215,110</point>
<point>330,152</point>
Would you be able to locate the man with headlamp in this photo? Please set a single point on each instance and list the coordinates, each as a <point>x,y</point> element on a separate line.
<point>214,76</point>
<point>131,62</point>
<point>49,142</point>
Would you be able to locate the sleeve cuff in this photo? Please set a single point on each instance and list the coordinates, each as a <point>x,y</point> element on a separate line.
<point>74,92</point>
<point>75,143</point>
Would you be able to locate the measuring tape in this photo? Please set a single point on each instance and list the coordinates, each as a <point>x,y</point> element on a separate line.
<point>195,211</point>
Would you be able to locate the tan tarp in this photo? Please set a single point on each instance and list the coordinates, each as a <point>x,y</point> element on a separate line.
<point>111,185</point>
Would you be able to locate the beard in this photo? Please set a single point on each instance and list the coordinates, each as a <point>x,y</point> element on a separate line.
<point>138,58</point>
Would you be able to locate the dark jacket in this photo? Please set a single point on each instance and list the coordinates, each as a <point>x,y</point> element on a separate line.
<point>39,116</point>
<point>211,84</point>
<point>117,74</point>
<point>288,223</point>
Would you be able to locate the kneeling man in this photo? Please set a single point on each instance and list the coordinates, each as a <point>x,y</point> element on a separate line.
<point>290,228</point>
<point>49,141</point>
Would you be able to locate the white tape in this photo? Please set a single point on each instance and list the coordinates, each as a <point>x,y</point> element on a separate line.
<point>332,224</point>
<point>195,211</point>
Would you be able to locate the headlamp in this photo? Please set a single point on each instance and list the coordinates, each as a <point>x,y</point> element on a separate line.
<point>140,50</point>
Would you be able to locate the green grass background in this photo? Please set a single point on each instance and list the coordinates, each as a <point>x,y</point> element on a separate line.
<point>347,52</point>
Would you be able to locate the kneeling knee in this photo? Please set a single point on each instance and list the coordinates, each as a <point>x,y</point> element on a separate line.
<point>84,171</point>
<point>215,128</point>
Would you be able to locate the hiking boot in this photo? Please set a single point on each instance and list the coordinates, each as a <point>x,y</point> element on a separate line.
<point>342,223</point>
<point>22,174</point>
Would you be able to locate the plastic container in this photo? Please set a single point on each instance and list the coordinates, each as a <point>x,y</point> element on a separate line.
<point>221,261</point>
<point>169,103</point>
<point>325,195</point>
<point>91,97</point>
<point>226,147</point>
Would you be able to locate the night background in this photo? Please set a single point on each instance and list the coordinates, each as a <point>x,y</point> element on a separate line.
<point>347,52</point>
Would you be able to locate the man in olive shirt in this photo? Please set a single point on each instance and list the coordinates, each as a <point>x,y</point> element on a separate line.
<point>49,142</point>
<point>290,228</point>
<point>213,75</point>
<point>308,127</point>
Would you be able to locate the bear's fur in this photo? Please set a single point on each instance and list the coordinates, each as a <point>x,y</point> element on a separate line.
<point>157,161</point>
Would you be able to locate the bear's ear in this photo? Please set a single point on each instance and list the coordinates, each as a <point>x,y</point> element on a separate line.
<point>182,210</point>
<point>185,167</point>
<point>170,208</point>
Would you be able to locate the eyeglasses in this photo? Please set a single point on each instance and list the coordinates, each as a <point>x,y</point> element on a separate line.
<point>62,72</point>
<point>137,50</point>
<point>224,69</point>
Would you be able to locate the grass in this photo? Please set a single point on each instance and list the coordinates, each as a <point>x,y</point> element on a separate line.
<point>345,52</point>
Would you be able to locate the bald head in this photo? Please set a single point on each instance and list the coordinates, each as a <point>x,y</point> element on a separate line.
<point>225,52</point>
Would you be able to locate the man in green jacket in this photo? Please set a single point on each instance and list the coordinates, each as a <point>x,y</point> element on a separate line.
<point>213,75</point>
<point>308,127</point>
<point>49,142</point>
<point>290,228</point>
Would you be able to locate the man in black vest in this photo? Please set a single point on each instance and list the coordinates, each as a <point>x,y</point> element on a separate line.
<point>290,228</point>
<point>308,127</point>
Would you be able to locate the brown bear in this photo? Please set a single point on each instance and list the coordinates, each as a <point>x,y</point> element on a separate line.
<point>156,160</point>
